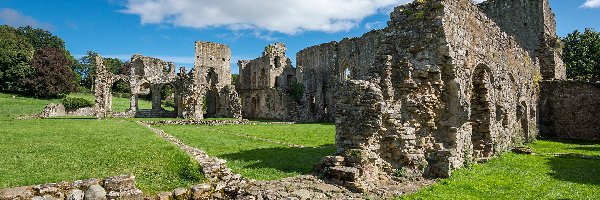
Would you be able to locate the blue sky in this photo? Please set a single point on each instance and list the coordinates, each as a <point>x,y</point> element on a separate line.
<point>168,28</point>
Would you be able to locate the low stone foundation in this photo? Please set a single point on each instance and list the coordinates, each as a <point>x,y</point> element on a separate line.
<point>570,110</point>
<point>118,187</point>
<point>198,122</point>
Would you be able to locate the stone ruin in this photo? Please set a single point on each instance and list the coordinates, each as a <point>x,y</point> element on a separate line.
<point>265,83</point>
<point>208,85</point>
<point>446,83</point>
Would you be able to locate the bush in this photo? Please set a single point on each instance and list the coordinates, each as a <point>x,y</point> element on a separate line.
<point>72,103</point>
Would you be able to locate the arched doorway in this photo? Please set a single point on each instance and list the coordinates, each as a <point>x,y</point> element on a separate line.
<point>480,117</point>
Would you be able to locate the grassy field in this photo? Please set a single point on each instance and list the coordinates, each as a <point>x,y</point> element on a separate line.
<point>542,176</point>
<point>54,150</point>
<point>257,159</point>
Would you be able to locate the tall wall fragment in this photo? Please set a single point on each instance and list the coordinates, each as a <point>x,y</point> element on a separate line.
<point>440,86</point>
<point>265,84</point>
<point>533,24</point>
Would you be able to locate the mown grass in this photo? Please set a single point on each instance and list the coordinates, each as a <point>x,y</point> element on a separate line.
<point>53,150</point>
<point>257,159</point>
<point>16,105</point>
<point>511,176</point>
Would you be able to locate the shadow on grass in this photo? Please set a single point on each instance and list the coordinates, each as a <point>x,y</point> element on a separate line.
<point>579,142</point>
<point>587,148</point>
<point>289,160</point>
<point>571,168</point>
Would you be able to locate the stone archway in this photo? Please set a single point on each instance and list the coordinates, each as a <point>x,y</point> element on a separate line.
<point>481,112</point>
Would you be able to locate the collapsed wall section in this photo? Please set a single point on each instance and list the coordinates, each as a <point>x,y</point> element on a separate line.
<point>326,66</point>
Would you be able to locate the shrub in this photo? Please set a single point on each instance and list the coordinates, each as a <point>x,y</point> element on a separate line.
<point>72,103</point>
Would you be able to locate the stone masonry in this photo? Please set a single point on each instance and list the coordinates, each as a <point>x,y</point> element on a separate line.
<point>264,85</point>
<point>209,82</point>
<point>571,110</point>
<point>442,85</point>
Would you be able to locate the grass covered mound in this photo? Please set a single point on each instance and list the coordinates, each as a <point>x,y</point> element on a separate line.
<point>258,159</point>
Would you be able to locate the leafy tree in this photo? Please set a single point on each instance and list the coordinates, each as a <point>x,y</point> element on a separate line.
<point>581,54</point>
<point>86,68</point>
<point>53,77</point>
<point>15,57</point>
<point>42,39</point>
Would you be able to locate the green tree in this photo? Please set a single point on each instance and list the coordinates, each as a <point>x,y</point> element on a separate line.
<point>43,39</point>
<point>581,54</point>
<point>53,77</point>
<point>15,56</point>
<point>86,69</point>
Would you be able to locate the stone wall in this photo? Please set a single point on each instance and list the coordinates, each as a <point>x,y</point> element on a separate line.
<point>444,86</point>
<point>326,66</point>
<point>264,85</point>
<point>533,24</point>
<point>570,110</point>
<point>209,82</point>
<point>118,187</point>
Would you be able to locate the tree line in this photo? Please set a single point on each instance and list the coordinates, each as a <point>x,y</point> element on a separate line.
<point>35,62</point>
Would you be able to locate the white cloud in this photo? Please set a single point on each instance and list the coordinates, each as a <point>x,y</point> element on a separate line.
<point>375,25</point>
<point>17,19</point>
<point>591,4</point>
<point>283,16</point>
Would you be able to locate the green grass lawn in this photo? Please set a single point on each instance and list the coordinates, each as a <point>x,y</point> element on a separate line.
<point>53,150</point>
<point>513,176</point>
<point>257,159</point>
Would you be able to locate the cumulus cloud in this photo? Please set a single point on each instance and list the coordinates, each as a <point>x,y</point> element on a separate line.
<point>283,16</point>
<point>591,4</point>
<point>17,19</point>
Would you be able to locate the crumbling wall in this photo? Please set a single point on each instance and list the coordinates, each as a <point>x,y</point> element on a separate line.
<point>213,68</point>
<point>326,66</point>
<point>445,86</point>
<point>209,81</point>
<point>150,76</point>
<point>264,85</point>
<point>533,24</point>
<point>570,110</point>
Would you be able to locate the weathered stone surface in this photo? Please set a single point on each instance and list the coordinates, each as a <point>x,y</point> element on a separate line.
<point>75,194</point>
<point>120,183</point>
<point>95,192</point>
<point>201,192</point>
<point>164,196</point>
<point>16,193</point>
<point>181,194</point>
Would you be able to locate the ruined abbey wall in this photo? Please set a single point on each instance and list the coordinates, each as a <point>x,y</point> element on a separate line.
<point>445,86</point>
<point>533,24</point>
<point>326,66</point>
<point>570,110</point>
<point>209,81</point>
<point>264,85</point>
